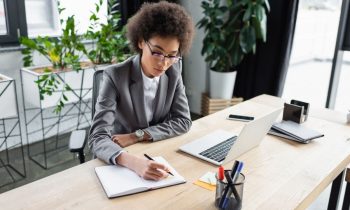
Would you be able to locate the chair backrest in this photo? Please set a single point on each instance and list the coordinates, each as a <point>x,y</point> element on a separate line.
<point>98,77</point>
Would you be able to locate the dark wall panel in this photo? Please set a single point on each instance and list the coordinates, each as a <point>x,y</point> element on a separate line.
<point>346,40</point>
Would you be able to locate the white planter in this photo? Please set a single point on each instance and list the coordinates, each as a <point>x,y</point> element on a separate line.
<point>8,102</point>
<point>221,84</point>
<point>80,82</point>
<point>42,123</point>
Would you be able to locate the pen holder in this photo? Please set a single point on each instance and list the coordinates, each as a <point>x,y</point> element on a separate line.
<point>233,199</point>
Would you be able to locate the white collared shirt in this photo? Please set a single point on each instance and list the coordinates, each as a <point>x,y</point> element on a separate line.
<point>150,87</point>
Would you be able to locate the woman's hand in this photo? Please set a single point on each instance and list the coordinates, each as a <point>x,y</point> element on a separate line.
<point>124,140</point>
<point>145,168</point>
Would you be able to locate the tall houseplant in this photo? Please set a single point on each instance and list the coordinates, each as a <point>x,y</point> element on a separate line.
<point>232,29</point>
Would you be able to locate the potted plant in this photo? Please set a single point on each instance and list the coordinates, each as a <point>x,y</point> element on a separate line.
<point>57,83</point>
<point>47,89</point>
<point>64,53</point>
<point>231,31</point>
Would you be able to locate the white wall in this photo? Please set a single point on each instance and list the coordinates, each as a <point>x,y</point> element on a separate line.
<point>195,69</point>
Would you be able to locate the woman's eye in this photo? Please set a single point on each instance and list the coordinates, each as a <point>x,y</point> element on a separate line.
<point>157,54</point>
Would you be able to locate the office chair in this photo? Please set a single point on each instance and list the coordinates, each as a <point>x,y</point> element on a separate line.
<point>77,138</point>
<point>98,77</point>
<point>346,201</point>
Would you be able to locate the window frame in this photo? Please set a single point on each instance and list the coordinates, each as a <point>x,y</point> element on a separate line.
<point>15,23</point>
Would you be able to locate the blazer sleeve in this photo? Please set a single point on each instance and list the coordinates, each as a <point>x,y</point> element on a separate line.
<point>178,120</point>
<point>100,138</point>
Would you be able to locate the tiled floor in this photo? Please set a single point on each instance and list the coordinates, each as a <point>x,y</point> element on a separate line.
<point>35,172</point>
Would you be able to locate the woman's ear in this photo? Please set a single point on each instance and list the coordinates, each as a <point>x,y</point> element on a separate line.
<point>141,44</point>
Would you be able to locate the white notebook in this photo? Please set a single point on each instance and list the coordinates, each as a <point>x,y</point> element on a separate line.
<point>118,181</point>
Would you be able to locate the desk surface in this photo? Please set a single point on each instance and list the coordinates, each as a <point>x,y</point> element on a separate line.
<point>280,174</point>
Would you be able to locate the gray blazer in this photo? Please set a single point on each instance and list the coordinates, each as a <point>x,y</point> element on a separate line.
<point>120,107</point>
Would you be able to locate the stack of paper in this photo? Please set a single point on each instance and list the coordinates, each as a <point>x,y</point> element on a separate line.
<point>207,181</point>
<point>294,131</point>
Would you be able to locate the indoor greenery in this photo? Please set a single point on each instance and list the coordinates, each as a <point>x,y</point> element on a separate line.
<point>62,52</point>
<point>109,41</point>
<point>65,52</point>
<point>232,30</point>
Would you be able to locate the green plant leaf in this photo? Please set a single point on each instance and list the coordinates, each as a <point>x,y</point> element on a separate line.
<point>259,11</point>
<point>237,53</point>
<point>257,27</point>
<point>267,5</point>
<point>247,14</point>
<point>65,97</point>
<point>263,29</point>
<point>247,38</point>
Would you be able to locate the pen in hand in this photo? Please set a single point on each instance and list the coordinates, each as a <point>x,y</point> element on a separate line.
<point>149,158</point>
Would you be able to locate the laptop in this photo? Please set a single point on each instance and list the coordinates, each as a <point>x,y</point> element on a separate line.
<point>219,146</point>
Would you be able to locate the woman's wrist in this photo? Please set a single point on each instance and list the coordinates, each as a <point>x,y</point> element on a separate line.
<point>127,160</point>
<point>147,137</point>
<point>122,159</point>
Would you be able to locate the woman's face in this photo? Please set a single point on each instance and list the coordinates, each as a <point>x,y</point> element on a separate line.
<point>158,54</point>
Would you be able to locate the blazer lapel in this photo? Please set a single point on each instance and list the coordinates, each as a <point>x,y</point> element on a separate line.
<point>160,98</point>
<point>136,92</point>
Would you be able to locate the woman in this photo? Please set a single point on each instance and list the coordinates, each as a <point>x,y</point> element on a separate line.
<point>143,98</point>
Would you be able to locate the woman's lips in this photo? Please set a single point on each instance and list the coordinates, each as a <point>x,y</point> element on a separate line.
<point>160,70</point>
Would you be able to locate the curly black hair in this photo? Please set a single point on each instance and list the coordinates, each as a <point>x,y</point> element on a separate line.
<point>162,19</point>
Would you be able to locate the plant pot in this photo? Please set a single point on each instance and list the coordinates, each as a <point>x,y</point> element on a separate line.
<point>43,125</point>
<point>8,101</point>
<point>80,82</point>
<point>221,84</point>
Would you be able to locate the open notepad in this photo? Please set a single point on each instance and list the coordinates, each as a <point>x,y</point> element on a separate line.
<point>118,181</point>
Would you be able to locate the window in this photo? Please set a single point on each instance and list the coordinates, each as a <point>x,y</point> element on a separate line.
<point>313,49</point>
<point>12,24</point>
<point>40,17</point>
<point>3,25</point>
<point>81,9</point>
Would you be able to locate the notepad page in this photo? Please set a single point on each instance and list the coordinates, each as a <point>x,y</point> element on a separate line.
<point>118,180</point>
<point>170,180</point>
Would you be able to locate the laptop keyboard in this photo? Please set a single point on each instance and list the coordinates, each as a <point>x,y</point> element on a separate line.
<point>219,151</point>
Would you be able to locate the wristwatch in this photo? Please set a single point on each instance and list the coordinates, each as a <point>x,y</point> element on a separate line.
<point>139,134</point>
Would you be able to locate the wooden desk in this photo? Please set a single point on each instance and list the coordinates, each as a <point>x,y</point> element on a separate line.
<point>280,174</point>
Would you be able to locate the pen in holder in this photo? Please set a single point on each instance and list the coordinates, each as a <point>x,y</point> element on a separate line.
<point>233,196</point>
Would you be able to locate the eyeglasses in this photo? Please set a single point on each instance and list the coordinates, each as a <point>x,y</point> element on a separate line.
<point>161,57</point>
